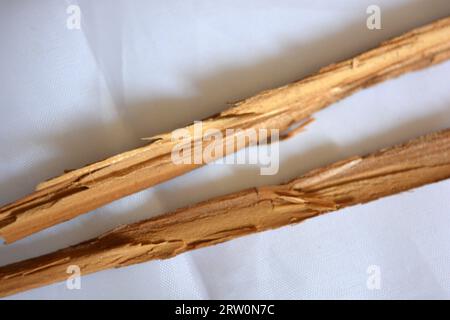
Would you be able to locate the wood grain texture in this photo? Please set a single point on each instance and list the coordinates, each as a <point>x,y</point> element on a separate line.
<point>346,183</point>
<point>90,187</point>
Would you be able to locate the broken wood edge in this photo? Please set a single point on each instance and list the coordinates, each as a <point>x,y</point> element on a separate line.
<point>345,183</point>
<point>82,190</point>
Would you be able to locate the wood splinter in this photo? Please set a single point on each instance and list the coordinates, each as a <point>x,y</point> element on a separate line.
<point>90,187</point>
<point>346,183</point>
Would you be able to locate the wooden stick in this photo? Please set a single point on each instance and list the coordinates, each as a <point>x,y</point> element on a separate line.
<point>356,180</point>
<point>90,187</point>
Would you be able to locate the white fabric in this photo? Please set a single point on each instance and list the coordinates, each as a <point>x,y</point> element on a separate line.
<point>137,68</point>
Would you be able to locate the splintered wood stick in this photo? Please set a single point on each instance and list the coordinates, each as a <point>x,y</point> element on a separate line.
<point>350,182</point>
<point>90,187</point>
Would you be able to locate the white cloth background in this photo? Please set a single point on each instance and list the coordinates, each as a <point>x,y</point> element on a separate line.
<point>138,68</point>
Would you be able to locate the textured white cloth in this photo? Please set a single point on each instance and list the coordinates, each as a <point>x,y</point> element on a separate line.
<point>138,68</point>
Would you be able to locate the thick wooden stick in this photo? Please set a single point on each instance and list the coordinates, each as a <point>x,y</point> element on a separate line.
<point>85,189</point>
<point>356,180</point>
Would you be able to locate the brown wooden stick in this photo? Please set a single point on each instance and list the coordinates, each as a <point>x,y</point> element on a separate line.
<point>350,182</point>
<point>90,187</point>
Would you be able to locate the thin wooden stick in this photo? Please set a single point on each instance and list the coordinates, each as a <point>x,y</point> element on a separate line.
<point>350,182</point>
<point>90,187</point>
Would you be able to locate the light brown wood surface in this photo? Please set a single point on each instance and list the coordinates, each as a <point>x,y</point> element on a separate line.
<point>90,187</point>
<point>346,183</point>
